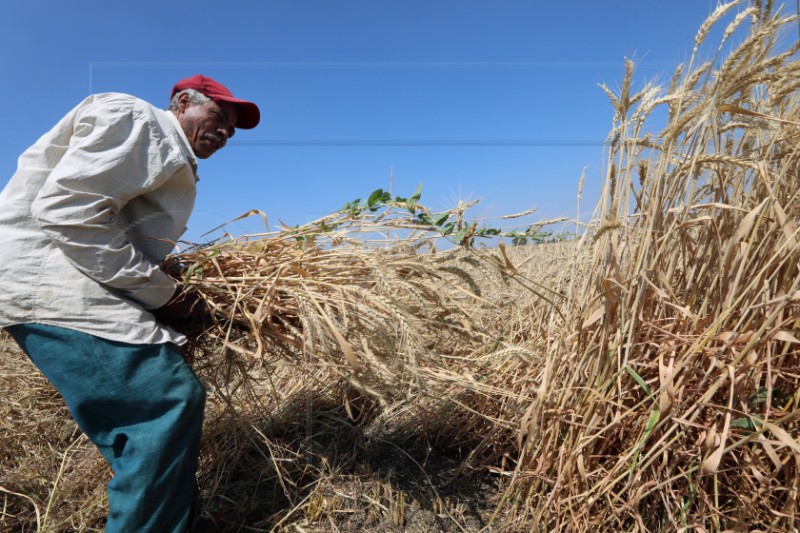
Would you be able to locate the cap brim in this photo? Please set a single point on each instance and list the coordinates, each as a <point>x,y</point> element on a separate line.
<point>249,114</point>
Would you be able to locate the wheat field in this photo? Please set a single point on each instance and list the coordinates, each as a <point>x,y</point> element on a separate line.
<point>641,375</point>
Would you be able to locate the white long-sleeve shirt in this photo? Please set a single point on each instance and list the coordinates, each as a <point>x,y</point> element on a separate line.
<point>94,207</point>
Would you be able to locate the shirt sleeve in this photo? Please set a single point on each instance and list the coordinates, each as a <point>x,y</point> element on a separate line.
<point>115,154</point>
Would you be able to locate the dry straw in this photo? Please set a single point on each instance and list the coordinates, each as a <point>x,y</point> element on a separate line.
<point>670,397</point>
<point>380,317</point>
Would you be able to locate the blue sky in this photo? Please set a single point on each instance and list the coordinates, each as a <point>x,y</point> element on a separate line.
<point>496,101</point>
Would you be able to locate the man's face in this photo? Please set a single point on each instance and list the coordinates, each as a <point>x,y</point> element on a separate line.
<point>208,126</point>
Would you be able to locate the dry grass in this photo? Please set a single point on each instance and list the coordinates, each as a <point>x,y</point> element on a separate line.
<point>51,476</point>
<point>642,379</point>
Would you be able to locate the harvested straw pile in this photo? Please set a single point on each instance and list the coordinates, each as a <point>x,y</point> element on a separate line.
<point>669,401</point>
<point>381,317</point>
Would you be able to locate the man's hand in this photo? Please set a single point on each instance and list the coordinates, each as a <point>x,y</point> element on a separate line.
<point>184,306</point>
<point>187,314</point>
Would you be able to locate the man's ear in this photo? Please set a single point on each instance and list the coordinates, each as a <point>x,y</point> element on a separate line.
<point>183,102</point>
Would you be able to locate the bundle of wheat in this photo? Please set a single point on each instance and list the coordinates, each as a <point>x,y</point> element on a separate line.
<point>375,315</point>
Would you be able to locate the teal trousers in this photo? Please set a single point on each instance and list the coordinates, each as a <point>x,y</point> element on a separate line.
<point>142,406</point>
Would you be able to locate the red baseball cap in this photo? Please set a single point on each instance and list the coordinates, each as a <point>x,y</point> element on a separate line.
<point>249,115</point>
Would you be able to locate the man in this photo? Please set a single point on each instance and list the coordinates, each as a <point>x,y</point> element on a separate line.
<point>93,209</point>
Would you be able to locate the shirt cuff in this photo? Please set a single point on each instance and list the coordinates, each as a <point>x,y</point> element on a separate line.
<point>158,292</point>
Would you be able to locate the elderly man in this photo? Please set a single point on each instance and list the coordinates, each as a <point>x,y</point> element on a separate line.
<point>93,209</point>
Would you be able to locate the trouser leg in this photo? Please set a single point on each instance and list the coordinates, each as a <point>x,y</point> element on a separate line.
<point>142,406</point>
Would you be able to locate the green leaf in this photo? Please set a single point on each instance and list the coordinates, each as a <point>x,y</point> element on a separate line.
<point>638,380</point>
<point>459,237</point>
<point>448,228</point>
<point>652,421</point>
<point>655,415</point>
<point>761,396</point>
<point>441,219</point>
<point>194,270</point>
<point>743,423</point>
<point>351,205</point>
<point>375,197</point>
<point>483,231</point>
<point>417,194</point>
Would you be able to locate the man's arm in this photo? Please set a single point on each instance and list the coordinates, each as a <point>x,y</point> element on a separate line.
<point>113,157</point>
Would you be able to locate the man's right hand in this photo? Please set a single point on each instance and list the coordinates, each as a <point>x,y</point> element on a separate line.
<point>185,306</point>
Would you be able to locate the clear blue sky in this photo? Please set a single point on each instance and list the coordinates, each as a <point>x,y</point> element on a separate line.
<point>490,99</point>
